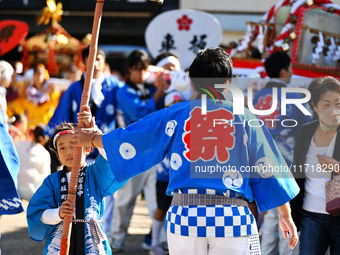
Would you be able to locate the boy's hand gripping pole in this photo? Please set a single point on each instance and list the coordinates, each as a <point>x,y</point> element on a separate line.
<point>72,190</point>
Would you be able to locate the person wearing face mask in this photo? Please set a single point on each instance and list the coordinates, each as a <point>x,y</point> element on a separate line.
<point>318,145</point>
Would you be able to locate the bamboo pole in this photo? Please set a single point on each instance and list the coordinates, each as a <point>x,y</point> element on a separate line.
<point>71,196</point>
<point>65,239</point>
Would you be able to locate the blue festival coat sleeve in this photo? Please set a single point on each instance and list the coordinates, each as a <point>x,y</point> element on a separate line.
<point>100,182</point>
<point>10,202</point>
<point>144,134</point>
<point>46,197</point>
<point>104,177</point>
<point>133,107</point>
<point>145,143</point>
<point>270,188</point>
<point>64,111</point>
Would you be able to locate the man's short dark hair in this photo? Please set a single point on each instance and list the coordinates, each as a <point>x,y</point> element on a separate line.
<point>138,58</point>
<point>276,62</point>
<point>85,53</point>
<point>211,63</point>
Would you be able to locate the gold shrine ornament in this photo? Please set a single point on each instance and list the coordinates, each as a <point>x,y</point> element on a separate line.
<point>285,47</point>
<point>292,36</point>
<point>52,12</point>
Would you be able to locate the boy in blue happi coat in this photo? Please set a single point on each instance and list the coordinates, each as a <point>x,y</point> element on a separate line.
<point>49,205</point>
<point>215,167</point>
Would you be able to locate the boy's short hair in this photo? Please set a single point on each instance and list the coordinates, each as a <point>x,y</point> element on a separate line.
<point>138,58</point>
<point>276,62</point>
<point>85,53</point>
<point>62,127</point>
<point>211,63</point>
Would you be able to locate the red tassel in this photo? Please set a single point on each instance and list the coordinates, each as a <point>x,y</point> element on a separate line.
<point>52,62</point>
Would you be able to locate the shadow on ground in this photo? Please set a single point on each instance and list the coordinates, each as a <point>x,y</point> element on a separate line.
<point>19,243</point>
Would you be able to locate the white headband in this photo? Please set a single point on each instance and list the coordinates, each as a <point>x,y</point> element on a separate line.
<point>170,59</point>
<point>59,134</point>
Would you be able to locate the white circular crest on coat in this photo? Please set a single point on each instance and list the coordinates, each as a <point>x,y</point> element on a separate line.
<point>245,139</point>
<point>232,179</point>
<point>74,105</point>
<point>127,151</point>
<point>109,109</point>
<point>264,167</point>
<point>175,161</point>
<point>170,127</point>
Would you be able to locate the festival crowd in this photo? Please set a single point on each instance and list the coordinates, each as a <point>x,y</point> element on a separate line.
<point>144,133</point>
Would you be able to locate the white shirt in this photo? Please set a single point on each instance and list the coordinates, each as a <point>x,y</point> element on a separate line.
<point>316,178</point>
<point>3,104</point>
<point>34,167</point>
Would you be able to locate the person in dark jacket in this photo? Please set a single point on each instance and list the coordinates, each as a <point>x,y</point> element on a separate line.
<point>316,160</point>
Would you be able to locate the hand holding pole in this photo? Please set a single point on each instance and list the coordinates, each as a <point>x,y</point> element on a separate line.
<point>66,234</point>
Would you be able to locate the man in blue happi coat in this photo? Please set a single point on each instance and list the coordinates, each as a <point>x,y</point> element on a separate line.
<point>103,101</point>
<point>216,168</point>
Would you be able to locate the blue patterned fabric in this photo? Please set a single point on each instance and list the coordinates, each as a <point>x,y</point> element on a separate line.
<point>283,136</point>
<point>10,202</point>
<point>141,145</point>
<point>163,170</point>
<point>69,104</point>
<point>99,182</point>
<point>210,221</point>
<point>133,104</point>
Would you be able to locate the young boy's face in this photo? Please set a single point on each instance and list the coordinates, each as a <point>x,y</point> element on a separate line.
<point>65,148</point>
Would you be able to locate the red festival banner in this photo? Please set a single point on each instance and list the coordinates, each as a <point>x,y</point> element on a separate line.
<point>11,33</point>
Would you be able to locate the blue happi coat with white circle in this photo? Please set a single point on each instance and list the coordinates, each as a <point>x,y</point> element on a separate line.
<point>69,106</point>
<point>99,183</point>
<point>205,157</point>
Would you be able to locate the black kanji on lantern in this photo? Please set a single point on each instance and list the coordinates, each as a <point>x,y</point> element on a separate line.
<point>168,43</point>
<point>6,33</point>
<point>198,44</point>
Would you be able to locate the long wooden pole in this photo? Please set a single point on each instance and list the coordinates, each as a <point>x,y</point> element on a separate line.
<point>71,196</point>
<point>65,239</point>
